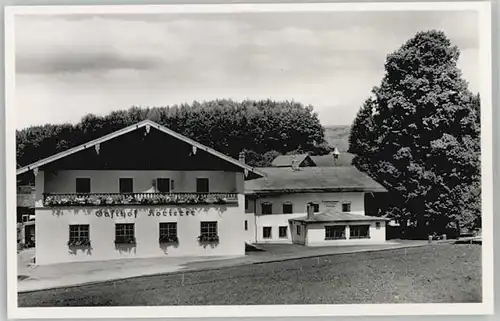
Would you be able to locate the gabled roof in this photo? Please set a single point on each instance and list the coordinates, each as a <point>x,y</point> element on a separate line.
<point>287,160</point>
<point>143,124</point>
<point>343,159</point>
<point>334,215</point>
<point>312,179</point>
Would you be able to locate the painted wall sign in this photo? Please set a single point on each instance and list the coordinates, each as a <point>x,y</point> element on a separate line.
<point>133,213</point>
<point>170,212</point>
<point>116,213</point>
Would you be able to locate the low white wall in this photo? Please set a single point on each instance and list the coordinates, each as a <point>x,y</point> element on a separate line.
<point>52,232</point>
<point>251,231</point>
<point>316,234</point>
<point>296,238</point>
<point>275,221</point>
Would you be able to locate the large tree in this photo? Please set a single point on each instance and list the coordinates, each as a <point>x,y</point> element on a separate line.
<point>263,128</point>
<point>419,135</point>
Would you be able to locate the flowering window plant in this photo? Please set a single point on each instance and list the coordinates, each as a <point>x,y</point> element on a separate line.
<point>169,239</point>
<point>205,238</point>
<point>79,242</point>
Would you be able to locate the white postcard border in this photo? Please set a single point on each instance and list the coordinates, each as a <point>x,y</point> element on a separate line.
<point>486,307</point>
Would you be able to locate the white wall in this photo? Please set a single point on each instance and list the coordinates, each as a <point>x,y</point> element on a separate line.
<point>108,181</point>
<point>251,231</point>
<point>299,201</point>
<point>316,234</point>
<point>296,238</point>
<point>275,221</point>
<point>52,232</point>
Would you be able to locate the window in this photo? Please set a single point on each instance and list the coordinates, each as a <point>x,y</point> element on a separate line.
<point>334,232</point>
<point>266,232</point>
<point>298,229</point>
<point>346,207</point>
<point>79,235</point>
<point>287,208</point>
<point>315,207</point>
<point>202,185</point>
<point>163,185</point>
<point>124,233</point>
<point>126,185</point>
<point>168,232</point>
<point>209,228</point>
<point>283,231</point>
<point>246,203</point>
<point>377,225</point>
<point>267,208</point>
<point>246,225</point>
<point>360,232</point>
<point>83,185</point>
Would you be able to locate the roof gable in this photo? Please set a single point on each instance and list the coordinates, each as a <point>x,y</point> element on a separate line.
<point>148,125</point>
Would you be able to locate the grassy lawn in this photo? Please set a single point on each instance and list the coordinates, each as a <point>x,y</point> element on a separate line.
<point>441,273</point>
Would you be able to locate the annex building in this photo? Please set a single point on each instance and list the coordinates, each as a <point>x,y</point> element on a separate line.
<point>300,202</point>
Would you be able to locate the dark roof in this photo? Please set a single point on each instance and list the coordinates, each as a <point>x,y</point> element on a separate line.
<point>26,196</point>
<point>147,124</point>
<point>312,179</point>
<point>344,159</point>
<point>334,215</point>
<point>286,160</point>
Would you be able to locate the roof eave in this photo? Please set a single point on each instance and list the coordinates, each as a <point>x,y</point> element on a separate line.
<point>316,190</point>
<point>338,221</point>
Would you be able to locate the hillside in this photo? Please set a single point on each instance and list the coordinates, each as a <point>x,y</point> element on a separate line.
<point>338,136</point>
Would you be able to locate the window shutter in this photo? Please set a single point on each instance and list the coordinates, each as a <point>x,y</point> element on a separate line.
<point>154,183</point>
<point>172,184</point>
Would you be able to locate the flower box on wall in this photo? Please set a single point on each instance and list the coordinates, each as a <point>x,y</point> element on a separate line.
<point>54,200</point>
<point>82,242</point>
<point>211,239</point>
<point>169,240</point>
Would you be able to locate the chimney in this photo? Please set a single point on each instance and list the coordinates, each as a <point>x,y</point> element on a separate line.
<point>310,211</point>
<point>242,157</point>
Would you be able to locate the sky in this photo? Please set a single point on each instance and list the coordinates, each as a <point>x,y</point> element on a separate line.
<point>70,65</point>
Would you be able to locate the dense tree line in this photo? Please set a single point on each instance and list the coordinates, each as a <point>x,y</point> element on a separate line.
<point>263,129</point>
<point>418,134</point>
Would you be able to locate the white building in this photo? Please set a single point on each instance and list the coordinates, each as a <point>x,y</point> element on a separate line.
<point>142,191</point>
<point>277,204</point>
